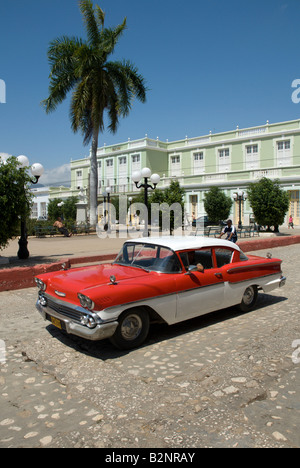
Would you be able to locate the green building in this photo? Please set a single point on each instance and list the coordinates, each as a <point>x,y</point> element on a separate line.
<point>230,160</point>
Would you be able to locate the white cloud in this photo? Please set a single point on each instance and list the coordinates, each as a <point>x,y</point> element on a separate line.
<point>58,176</point>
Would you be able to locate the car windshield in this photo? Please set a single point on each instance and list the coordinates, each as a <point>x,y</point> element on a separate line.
<point>148,257</point>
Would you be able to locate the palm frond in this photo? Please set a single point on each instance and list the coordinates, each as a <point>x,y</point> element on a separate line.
<point>100,16</point>
<point>91,23</point>
<point>110,37</point>
<point>63,77</point>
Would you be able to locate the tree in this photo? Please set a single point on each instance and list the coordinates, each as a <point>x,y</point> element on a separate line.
<point>64,208</point>
<point>15,199</point>
<point>269,202</point>
<point>99,86</point>
<point>217,205</point>
<point>171,197</point>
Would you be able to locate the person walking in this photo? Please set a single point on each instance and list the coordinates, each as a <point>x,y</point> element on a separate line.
<point>291,222</point>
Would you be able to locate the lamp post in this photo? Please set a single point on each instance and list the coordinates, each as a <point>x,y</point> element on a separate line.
<point>155,179</point>
<point>240,197</point>
<point>36,171</point>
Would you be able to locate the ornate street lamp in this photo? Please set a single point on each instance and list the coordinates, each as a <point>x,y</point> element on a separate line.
<point>240,197</point>
<point>155,179</point>
<point>37,171</point>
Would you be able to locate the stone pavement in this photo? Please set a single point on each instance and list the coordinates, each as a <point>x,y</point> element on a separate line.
<point>223,380</point>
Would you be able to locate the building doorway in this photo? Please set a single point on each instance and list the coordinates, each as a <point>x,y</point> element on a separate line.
<point>193,206</point>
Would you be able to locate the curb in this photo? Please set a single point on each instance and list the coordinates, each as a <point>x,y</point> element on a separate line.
<point>268,243</point>
<point>23,277</point>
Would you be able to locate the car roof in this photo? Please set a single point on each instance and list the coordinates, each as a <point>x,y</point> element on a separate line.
<point>178,243</point>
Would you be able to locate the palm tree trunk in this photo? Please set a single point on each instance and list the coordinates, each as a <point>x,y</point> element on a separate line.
<point>94,181</point>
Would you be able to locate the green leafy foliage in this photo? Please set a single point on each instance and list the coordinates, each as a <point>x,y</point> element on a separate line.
<point>15,199</point>
<point>217,205</point>
<point>269,202</point>
<point>67,210</point>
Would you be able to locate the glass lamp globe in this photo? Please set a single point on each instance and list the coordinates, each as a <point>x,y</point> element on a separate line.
<point>146,172</point>
<point>155,179</point>
<point>37,170</point>
<point>23,161</point>
<point>136,176</point>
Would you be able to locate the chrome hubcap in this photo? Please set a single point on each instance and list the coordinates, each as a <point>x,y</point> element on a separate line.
<point>248,295</point>
<point>131,327</point>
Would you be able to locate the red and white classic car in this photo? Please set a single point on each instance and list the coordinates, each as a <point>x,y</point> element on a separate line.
<point>166,279</point>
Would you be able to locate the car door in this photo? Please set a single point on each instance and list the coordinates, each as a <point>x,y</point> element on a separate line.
<point>199,292</point>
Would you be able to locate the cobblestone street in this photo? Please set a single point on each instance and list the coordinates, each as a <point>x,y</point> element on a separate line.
<point>223,380</point>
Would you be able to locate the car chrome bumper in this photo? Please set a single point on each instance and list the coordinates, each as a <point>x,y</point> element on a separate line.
<point>277,283</point>
<point>100,332</point>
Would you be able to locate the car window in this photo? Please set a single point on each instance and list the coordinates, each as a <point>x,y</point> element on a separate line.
<point>223,256</point>
<point>149,257</point>
<point>243,257</point>
<point>193,257</point>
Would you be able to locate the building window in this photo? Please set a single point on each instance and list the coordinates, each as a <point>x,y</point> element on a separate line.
<point>175,166</point>
<point>224,159</point>
<point>284,153</point>
<point>198,162</point>
<point>122,161</point>
<point>252,157</point>
<point>34,211</point>
<point>136,158</point>
<point>79,179</point>
<point>109,162</point>
<point>43,210</point>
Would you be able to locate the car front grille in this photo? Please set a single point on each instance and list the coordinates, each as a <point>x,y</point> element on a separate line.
<point>64,309</point>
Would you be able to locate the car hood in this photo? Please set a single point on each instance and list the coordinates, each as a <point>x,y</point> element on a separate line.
<point>67,284</point>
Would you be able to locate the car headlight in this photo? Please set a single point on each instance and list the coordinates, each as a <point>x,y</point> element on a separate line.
<point>40,284</point>
<point>86,302</point>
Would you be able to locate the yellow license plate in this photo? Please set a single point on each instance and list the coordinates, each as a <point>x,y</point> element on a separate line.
<point>56,322</point>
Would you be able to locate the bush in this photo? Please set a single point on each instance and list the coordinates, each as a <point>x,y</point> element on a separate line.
<point>15,199</point>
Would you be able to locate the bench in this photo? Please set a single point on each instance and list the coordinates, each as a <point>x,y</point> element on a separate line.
<point>81,229</point>
<point>43,231</point>
<point>247,231</point>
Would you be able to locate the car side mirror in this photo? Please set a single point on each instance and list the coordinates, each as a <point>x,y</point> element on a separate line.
<point>193,268</point>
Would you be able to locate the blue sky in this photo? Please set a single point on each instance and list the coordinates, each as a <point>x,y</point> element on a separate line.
<point>209,65</point>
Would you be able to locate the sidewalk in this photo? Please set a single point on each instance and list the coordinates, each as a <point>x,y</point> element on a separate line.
<point>55,249</point>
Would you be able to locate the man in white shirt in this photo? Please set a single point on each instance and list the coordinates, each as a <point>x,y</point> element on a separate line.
<point>230,231</point>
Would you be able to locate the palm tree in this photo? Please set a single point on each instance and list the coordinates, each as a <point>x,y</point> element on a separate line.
<point>98,85</point>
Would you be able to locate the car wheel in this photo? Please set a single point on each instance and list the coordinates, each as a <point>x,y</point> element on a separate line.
<point>132,330</point>
<point>249,299</point>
